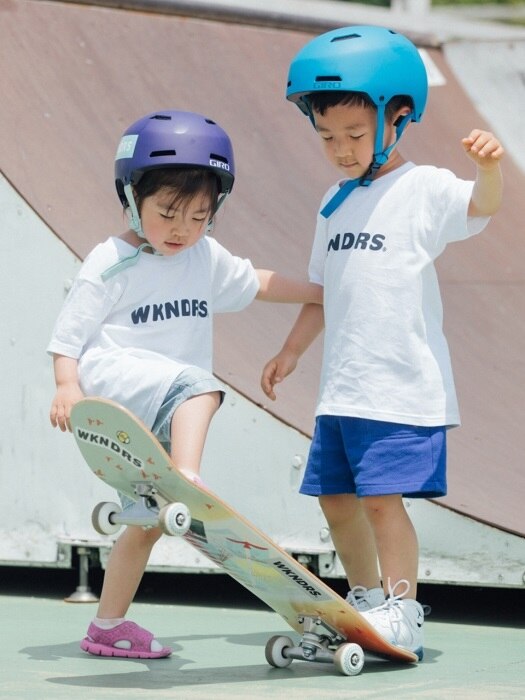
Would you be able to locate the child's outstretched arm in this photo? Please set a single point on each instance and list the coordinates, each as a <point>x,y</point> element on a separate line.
<point>68,391</point>
<point>277,288</point>
<point>486,151</point>
<point>307,327</point>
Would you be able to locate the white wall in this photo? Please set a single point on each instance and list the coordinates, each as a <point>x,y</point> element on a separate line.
<point>46,492</point>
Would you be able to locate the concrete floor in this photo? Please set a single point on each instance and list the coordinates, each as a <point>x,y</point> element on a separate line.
<point>475,646</point>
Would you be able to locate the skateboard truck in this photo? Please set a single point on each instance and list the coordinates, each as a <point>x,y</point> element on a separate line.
<point>173,518</point>
<point>320,642</point>
<point>315,646</point>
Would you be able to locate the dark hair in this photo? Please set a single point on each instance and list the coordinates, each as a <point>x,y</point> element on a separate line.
<point>320,101</point>
<point>185,183</point>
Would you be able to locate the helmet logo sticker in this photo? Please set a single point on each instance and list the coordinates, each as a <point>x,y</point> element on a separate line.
<point>126,147</point>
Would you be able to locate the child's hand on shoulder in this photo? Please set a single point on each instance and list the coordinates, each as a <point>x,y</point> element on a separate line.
<point>483,148</point>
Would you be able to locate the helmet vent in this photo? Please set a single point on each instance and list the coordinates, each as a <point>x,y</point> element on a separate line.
<point>344,37</point>
<point>328,79</point>
<point>209,121</point>
<point>165,117</point>
<point>160,154</point>
<point>214,156</point>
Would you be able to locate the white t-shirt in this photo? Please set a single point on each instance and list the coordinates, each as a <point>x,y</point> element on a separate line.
<point>136,332</point>
<point>385,355</point>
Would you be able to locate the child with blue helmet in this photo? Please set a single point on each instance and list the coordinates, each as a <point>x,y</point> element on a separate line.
<point>136,326</point>
<point>387,393</point>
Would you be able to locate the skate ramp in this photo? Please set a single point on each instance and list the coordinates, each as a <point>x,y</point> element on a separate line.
<point>74,76</point>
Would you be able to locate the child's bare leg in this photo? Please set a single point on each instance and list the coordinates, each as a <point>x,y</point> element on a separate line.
<point>189,428</point>
<point>396,540</point>
<point>353,539</point>
<point>124,570</point>
<point>131,551</point>
<point>130,554</point>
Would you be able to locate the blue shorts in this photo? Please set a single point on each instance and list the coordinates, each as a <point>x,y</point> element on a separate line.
<point>190,382</point>
<point>375,458</point>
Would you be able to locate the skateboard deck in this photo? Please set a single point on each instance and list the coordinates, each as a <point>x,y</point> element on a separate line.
<point>121,451</point>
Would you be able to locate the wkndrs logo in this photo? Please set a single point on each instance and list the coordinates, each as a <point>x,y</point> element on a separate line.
<point>356,241</point>
<point>164,312</point>
<point>299,580</point>
<point>118,446</point>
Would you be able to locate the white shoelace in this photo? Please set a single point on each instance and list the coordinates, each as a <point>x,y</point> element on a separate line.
<point>392,600</point>
<point>357,592</point>
<point>357,597</point>
<point>392,597</point>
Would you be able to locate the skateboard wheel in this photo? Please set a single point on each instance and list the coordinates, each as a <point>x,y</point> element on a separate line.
<point>349,659</point>
<point>101,518</point>
<point>274,651</point>
<point>175,519</point>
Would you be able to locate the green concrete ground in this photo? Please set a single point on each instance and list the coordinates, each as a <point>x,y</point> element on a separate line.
<point>475,646</point>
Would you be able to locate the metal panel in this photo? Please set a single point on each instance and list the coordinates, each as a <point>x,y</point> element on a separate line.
<point>45,493</point>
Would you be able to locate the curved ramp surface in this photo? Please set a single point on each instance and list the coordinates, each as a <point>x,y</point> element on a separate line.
<point>75,76</point>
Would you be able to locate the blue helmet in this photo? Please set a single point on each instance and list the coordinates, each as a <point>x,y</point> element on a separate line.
<point>372,60</point>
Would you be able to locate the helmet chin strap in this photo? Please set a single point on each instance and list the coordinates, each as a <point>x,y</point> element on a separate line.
<point>134,221</point>
<point>124,263</point>
<point>133,213</point>
<point>380,157</point>
<point>136,225</point>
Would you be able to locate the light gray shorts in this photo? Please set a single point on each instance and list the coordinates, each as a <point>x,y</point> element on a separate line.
<point>191,382</point>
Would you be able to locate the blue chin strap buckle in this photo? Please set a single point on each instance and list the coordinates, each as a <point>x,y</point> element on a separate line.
<point>339,197</point>
<point>349,185</point>
<point>379,159</point>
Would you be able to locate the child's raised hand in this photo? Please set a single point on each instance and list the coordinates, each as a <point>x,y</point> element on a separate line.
<point>483,148</point>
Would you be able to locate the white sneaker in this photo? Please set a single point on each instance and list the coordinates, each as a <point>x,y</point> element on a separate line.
<point>400,621</point>
<point>363,599</point>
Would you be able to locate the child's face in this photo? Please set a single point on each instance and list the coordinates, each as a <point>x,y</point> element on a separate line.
<point>171,231</point>
<point>348,134</point>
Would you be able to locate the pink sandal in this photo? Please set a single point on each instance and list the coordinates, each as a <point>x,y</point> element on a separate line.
<point>102,642</point>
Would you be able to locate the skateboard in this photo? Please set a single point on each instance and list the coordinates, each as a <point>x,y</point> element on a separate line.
<point>121,451</point>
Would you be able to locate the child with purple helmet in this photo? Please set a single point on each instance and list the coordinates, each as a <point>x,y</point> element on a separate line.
<point>136,326</point>
<point>387,392</point>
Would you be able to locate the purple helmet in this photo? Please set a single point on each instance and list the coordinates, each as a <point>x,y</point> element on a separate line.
<point>173,139</point>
